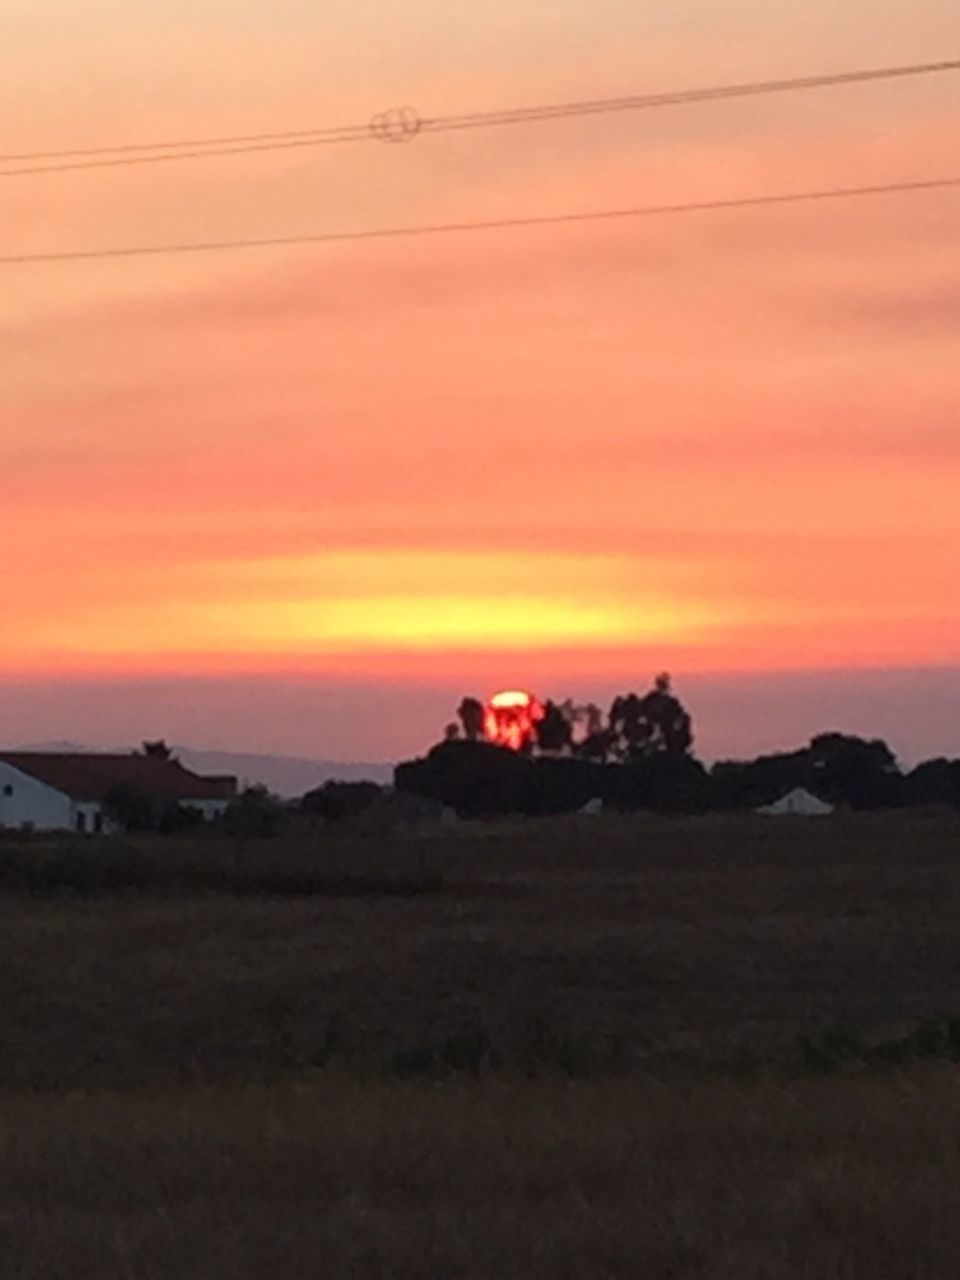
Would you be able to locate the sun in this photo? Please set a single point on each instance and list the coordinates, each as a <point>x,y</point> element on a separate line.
<point>511,719</point>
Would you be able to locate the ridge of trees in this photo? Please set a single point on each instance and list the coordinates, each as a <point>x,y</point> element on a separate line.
<point>640,756</point>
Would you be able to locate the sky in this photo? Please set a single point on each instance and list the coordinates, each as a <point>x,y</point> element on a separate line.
<point>303,499</point>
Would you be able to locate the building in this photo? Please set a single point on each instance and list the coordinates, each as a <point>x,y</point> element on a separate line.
<point>43,791</point>
<point>800,803</point>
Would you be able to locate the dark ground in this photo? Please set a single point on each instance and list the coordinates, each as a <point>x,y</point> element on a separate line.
<point>201,1086</point>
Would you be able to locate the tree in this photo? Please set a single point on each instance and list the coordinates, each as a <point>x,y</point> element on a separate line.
<point>477,779</point>
<point>661,782</point>
<point>656,724</point>
<point>178,818</point>
<point>934,782</point>
<point>599,746</point>
<point>555,731</point>
<point>471,715</point>
<point>255,814</point>
<point>135,810</point>
<point>837,767</point>
<point>131,808</point>
<point>857,771</point>
<point>562,784</point>
<point>748,784</point>
<point>480,779</point>
<point>592,718</point>
<point>336,800</point>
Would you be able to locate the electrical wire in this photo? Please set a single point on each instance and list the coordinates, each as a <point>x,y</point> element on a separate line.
<point>404,124</point>
<point>494,224</point>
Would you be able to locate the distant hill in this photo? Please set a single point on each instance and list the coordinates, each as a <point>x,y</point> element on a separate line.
<point>283,775</point>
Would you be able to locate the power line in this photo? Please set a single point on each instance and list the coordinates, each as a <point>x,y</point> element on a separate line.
<point>493,224</point>
<point>341,133</point>
<point>404,124</point>
<point>126,161</point>
<point>757,88</point>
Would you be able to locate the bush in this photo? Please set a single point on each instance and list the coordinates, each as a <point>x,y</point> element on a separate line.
<point>659,783</point>
<point>131,809</point>
<point>936,1038</point>
<point>179,819</point>
<point>476,779</point>
<point>254,815</point>
<point>338,800</point>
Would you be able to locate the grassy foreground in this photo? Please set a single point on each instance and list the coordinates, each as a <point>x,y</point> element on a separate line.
<point>626,942</point>
<point>855,1178</point>
<point>562,1049</point>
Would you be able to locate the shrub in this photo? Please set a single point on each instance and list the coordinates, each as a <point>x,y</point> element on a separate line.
<point>131,808</point>
<point>254,815</point>
<point>935,1038</point>
<point>337,800</point>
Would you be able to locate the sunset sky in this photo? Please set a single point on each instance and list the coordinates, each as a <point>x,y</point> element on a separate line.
<point>302,499</point>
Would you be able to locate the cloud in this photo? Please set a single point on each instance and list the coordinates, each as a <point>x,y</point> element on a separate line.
<point>919,312</point>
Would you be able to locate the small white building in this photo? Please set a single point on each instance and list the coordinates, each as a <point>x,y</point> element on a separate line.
<point>46,791</point>
<point>799,803</point>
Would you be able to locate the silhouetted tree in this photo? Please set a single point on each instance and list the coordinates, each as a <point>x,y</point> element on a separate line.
<point>178,818</point>
<point>131,808</point>
<point>136,810</point>
<point>656,724</point>
<point>837,767</point>
<point>661,782</point>
<point>599,746</point>
<point>592,718</point>
<point>255,814</point>
<point>857,771</point>
<point>748,784</point>
<point>627,730</point>
<point>476,779</point>
<point>555,731</point>
<point>471,716</point>
<point>158,750</point>
<point>479,779</point>
<point>934,782</point>
<point>562,784</point>
<point>337,800</point>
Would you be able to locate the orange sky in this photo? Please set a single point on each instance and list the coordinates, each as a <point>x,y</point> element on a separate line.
<point>720,444</point>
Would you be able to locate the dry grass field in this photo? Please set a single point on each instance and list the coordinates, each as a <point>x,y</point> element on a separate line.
<point>829,1179</point>
<point>206,1083</point>
<point>712,939</point>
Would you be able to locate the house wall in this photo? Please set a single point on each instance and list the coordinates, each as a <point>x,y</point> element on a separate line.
<point>88,816</point>
<point>25,801</point>
<point>212,810</point>
<point>33,803</point>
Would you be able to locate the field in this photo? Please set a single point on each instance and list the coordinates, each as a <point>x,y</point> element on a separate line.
<point>569,1048</point>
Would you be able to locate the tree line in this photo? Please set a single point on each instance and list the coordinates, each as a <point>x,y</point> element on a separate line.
<point>640,756</point>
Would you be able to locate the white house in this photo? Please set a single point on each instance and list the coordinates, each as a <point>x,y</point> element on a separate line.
<point>44,791</point>
<point>800,803</point>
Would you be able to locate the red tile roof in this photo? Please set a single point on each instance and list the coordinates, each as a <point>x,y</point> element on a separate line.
<point>92,777</point>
